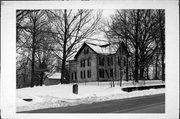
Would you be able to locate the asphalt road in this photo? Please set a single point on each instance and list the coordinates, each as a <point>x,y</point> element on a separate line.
<point>143,104</point>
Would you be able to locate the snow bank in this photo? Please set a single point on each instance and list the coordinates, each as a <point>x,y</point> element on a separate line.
<point>61,95</point>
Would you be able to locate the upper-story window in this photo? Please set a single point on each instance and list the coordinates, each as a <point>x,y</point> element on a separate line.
<point>101,61</point>
<point>111,60</point>
<point>75,75</point>
<point>86,50</point>
<point>118,60</point>
<point>81,74</point>
<point>108,61</point>
<point>72,76</point>
<point>88,62</point>
<point>83,63</point>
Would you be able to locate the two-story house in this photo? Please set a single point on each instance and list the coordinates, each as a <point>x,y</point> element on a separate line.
<point>95,62</point>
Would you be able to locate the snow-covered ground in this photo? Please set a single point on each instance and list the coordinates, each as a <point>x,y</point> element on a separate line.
<point>61,95</point>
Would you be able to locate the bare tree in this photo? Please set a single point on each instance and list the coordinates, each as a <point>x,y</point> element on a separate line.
<point>30,26</point>
<point>139,28</point>
<point>71,27</point>
<point>44,54</point>
<point>161,19</point>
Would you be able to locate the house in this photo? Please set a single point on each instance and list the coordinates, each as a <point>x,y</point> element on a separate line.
<point>52,78</point>
<point>95,62</point>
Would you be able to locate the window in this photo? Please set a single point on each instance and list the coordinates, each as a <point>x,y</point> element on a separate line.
<point>89,73</point>
<point>102,62</point>
<point>81,74</point>
<point>81,63</point>
<point>72,76</point>
<point>89,62</point>
<point>111,60</point>
<point>118,61</point>
<point>101,73</point>
<point>108,61</point>
<point>84,62</point>
<point>111,72</point>
<point>107,73</point>
<point>84,74</point>
<point>99,60</point>
<point>75,75</point>
<point>86,51</point>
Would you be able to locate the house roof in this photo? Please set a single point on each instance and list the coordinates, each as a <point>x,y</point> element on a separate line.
<point>56,75</point>
<point>105,49</point>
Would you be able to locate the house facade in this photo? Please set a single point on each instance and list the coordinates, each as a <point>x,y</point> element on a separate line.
<point>95,62</point>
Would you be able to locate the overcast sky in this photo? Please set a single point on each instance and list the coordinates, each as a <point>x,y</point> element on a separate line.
<point>108,12</point>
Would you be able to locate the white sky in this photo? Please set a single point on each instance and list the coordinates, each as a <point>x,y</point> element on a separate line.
<point>108,12</point>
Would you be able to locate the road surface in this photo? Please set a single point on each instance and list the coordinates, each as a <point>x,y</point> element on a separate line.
<point>143,104</point>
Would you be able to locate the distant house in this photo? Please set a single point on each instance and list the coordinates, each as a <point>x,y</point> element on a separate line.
<point>95,62</point>
<point>52,79</point>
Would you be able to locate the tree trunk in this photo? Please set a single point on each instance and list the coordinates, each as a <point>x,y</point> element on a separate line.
<point>121,66</point>
<point>121,77</point>
<point>156,68</point>
<point>147,72</point>
<point>63,70</point>
<point>141,73</point>
<point>162,38</point>
<point>64,47</point>
<point>136,48</point>
<point>163,67</point>
<point>33,54</point>
<point>127,69</point>
<point>41,80</point>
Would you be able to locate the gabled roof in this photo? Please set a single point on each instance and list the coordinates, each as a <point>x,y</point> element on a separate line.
<point>105,49</point>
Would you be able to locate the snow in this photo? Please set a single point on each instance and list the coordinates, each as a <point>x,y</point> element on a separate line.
<point>61,95</point>
<point>103,50</point>
<point>56,75</point>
